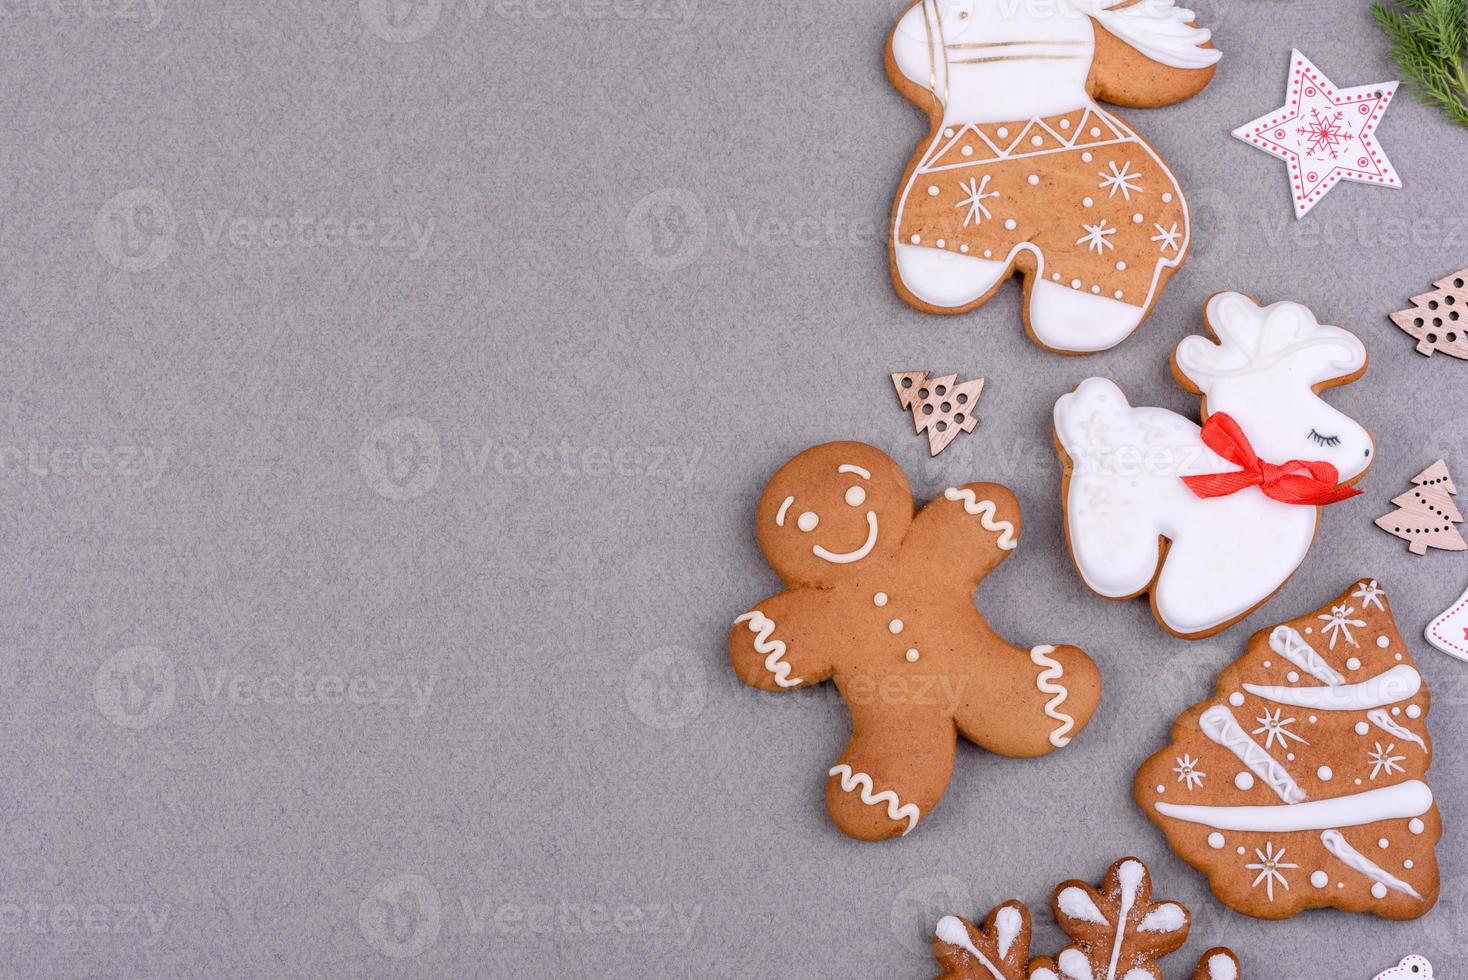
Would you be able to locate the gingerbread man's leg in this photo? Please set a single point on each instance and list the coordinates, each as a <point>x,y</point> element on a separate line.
<point>1024,703</point>
<point>894,770</point>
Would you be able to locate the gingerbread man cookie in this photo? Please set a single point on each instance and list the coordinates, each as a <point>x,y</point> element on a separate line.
<point>880,600</point>
<point>1024,171</point>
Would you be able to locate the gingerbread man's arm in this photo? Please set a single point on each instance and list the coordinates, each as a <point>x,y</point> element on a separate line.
<point>964,532</point>
<point>1122,75</point>
<point>779,645</point>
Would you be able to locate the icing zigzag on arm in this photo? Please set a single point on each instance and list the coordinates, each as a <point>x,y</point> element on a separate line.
<point>1046,683</point>
<point>762,627</point>
<point>987,514</point>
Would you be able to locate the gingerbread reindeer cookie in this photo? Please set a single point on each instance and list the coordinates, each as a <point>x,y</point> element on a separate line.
<point>880,601</point>
<point>1212,520</point>
<point>1024,171</point>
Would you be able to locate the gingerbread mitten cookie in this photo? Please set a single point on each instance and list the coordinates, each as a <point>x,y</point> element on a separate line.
<point>1024,171</point>
<point>1212,520</point>
<point>1302,782</point>
<point>880,600</point>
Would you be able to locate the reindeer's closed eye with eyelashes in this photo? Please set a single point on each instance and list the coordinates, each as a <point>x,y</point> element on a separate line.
<point>1136,525</point>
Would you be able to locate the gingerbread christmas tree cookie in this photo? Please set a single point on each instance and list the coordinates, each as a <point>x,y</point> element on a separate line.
<point>1302,782</point>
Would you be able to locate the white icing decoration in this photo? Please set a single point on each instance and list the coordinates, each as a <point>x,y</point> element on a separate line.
<point>1353,664</point>
<point>1244,781</point>
<point>1378,890</point>
<point>1047,683</point>
<point>1370,595</point>
<point>987,514</point>
<point>1337,844</point>
<point>952,931</point>
<point>762,627</point>
<point>1413,711</point>
<point>1044,973</point>
<point>1077,904</point>
<point>1288,643</point>
<point>896,809</point>
<point>912,656</point>
<point>855,496</point>
<point>836,558</point>
<point>1324,774</point>
<point>1219,724</point>
<point>1362,728</point>
<point>1074,965</point>
<point>808,521</point>
<point>879,600</point>
<point>1007,924</point>
<point>1407,799</point>
<point>853,468</point>
<point>1397,684</point>
<point>1215,841</point>
<point>1164,918</point>
<point>894,627</point>
<point>1229,553</point>
<point>1129,876</point>
<point>1236,699</point>
<point>1416,826</point>
<point>1383,642</point>
<point>1221,967</point>
<point>780,514</point>
<point>1319,879</point>
<point>1338,624</point>
<point>1384,721</point>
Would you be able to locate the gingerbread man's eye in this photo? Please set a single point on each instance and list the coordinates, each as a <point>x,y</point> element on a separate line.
<point>856,496</point>
<point>807,521</point>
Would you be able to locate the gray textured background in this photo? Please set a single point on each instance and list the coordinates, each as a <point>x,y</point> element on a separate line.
<point>280,703</point>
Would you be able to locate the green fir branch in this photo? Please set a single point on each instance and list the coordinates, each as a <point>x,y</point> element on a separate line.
<point>1430,41</point>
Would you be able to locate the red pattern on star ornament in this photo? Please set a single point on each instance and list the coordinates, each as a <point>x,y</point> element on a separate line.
<point>1324,134</point>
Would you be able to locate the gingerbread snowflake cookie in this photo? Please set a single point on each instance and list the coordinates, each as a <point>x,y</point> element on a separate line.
<point>1117,933</point>
<point>1212,520</point>
<point>880,601</point>
<point>1025,171</point>
<point>1301,783</point>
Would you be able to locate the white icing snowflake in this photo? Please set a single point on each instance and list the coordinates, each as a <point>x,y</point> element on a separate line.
<point>1123,180</point>
<point>975,200</point>
<point>1382,759</point>
<point>1368,593</point>
<point>1271,727</point>
<point>1188,773</point>
<point>1270,863</point>
<point>1337,623</point>
<point>1095,238</point>
<point>1167,236</point>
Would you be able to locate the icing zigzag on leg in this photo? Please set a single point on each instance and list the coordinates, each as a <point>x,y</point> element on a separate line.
<point>1040,656</point>
<point>896,809</point>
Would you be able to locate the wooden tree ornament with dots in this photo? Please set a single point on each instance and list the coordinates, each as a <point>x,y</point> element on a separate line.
<point>939,406</point>
<point>1302,781</point>
<point>1425,515</point>
<point>1436,319</point>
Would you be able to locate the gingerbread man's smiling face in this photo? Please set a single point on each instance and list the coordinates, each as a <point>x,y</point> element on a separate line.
<point>832,510</point>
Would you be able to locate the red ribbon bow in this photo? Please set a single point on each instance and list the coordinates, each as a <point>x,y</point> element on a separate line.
<point>1299,481</point>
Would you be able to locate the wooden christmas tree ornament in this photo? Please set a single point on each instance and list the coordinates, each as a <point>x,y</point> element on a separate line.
<point>939,406</point>
<point>1425,516</point>
<point>1436,319</point>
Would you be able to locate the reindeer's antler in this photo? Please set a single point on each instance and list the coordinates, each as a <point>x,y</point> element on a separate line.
<point>1253,339</point>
